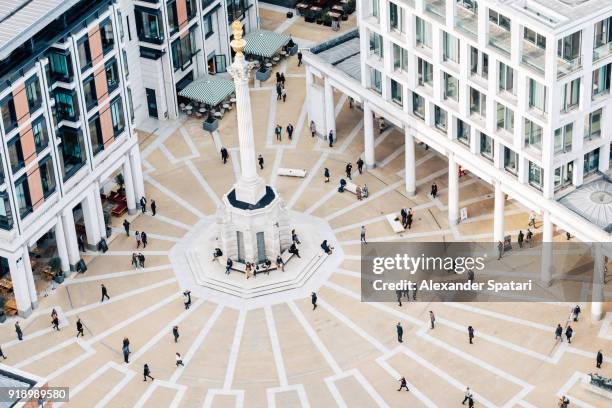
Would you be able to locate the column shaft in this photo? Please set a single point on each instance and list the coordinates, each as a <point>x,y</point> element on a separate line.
<point>99,209</point>
<point>453,190</point>
<point>410,165</point>
<point>71,238</point>
<point>92,221</point>
<point>330,108</point>
<point>20,285</point>
<point>136,165</point>
<point>368,136</point>
<point>598,283</point>
<point>498,216</point>
<point>129,187</point>
<point>30,277</point>
<point>60,242</point>
<point>547,250</point>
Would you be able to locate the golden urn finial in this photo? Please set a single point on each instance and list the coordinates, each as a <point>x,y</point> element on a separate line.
<point>238,43</point>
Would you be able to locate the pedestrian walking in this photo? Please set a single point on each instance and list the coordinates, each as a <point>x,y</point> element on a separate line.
<point>529,238</point>
<point>126,227</point>
<point>294,237</point>
<point>330,137</point>
<point>432,319</point>
<point>284,94</point>
<point>282,79</point>
<point>179,360</point>
<point>279,91</point>
<point>500,250</point>
<point>559,332</point>
<point>153,207</point>
<point>299,55</point>
<point>313,300</point>
<point>260,160</point>
<point>409,218</point>
<point>471,402</point>
<point>224,155</point>
<point>137,237</point>
<point>55,323</point>
<point>576,312</point>
<point>18,331</point>
<point>143,204</point>
<point>568,333</point>
<point>400,332</point>
<point>349,169</point>
<point>277,131</point>
<point>2,353</point>
<point>398,293</point>
<point>280,264</point>
<point>360,165</point>
<point>187,294</point>
<point>104,293</point>
<point>403,384</point>
<point>521,237</point>
<point>278,77</point>
<point>466,396</point>
<point>79,327</point>
<point>326,175</point>
<point>470,275</point>
<point>362,233</point>
<point>143,238</point>
<point>289,131</point>
<point>134,260</point>
<point>81,243</point>
<point>175,333</point>
<point>228,266</point>
<point>434,190</point>
<point>141,260</point>
<point>564,402</point>
<point>126,350</point>
<point>471,334</point>
<point>147,373</point>
<point>568,235</point>
<point>313,128</point>
<point>598,359</point>
<point>294,250</point>
<point>532,219</point>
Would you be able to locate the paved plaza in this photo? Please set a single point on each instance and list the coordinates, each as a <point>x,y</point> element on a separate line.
<point>280,352</point>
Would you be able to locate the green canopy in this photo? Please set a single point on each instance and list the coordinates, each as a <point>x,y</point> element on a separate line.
<point>264,43</point>
<point>210,91</point>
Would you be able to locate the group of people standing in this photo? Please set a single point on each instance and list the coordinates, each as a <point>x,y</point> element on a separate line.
<point>278,131</point>
<point>281,92</point>
<point>407,217</point>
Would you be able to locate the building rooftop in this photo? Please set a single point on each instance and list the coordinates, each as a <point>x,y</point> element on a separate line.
<point>555,13</point>
<point>21,19</point>
<point>342,52</point>
<point>592,201</point>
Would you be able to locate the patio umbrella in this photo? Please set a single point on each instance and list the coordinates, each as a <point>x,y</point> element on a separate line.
<point>264,43</point>
<point>210,91</point>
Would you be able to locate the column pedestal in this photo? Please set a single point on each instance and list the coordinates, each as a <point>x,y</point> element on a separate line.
<point>92,221</point>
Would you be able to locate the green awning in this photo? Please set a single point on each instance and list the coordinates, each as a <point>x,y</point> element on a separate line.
<point>264,43</point>
<point>210,91</point>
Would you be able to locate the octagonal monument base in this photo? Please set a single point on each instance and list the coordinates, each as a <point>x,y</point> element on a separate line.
<point>196,271</point>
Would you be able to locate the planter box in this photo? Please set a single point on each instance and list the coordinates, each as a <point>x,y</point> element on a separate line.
<point>263,75</point>
<point>289,14</point>
<point>210,126</point>
<point>58,278</point>
<point>293,50</point>
<point>309,19</point>
<point>319,22</point>
<point>2,317</point>
<point>327,23</point>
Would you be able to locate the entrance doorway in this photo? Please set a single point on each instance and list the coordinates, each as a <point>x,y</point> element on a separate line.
<point>261,247</point>
<point>152,103</point>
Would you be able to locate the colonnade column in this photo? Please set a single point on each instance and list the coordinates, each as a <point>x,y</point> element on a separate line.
<point>330,109</point>
<point>368,135</point>
<point>136,164</point>
<point>20,284</point>
<point>99,210</point>
<point>92,221</point>
<point>30,277</point>
<point>410,164</point>
<point>129,187</point>
<point>60,243</point>
<point>498,215</point>
<point>453,190</point>
<point>71,239</point>
<point>598,283</point>
<point>547,249</point>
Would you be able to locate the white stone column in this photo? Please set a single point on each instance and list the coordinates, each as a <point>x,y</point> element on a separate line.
<point>20,284</point>
<point>136,165</point>
<point>130,195</point>
<point>62,249</point>
<point>453,190</point>
<point>308,99</point>
<point>30,277</point>
<point>99,209</point>
<point>547,252</point>
<point>92,221</point>
<point>71,238</point>
<point>368,135</point>
<point>330,109</point>
<point>598,283</point>
<point>410,164</point>
<point>498,215</point>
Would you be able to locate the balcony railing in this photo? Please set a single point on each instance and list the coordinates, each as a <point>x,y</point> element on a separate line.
<point>500,39</point>
<point>602,51</point>
<point>437,8</point>
<point>566,67</point>
<point>467,21</point>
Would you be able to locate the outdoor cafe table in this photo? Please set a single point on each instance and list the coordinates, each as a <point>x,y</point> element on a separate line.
<point>334,14</point>
<point>338,8</point>
<point>315,8</point>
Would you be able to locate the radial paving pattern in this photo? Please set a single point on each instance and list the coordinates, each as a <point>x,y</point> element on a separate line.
<point>343,354</point>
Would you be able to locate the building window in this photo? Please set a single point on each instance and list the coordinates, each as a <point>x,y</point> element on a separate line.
<point>479,63</point>
<point>15,154</point>
<point>149,25</point>
<point>418,105</point>
<point>505,118</point>
<point>84,53</point>
<point>60,68</point>
<point>191,8</point>
<point>33,94</point>
<point>463,132</point>
<point>126,66</point>
<point>571,95</point>
<point>396,17</point>
<point>173,23</point>
<point>603,37</point>
<point>593,124</point>
<point>601,80</point>
<point>117,117</point>
<point>89,90</point>
<point>537,95</point>
<point>207,26</point>
<point>120,25</point>
<point>396,92</point>
<point>236,9</point>
<point>423,33</point>
<point>499,20</point>
<point>375,80</point>
<point>183,51</point>
<point>107,36</point>
<point>39,131</point>
<point>376,45</point>
<point>451,87</point>
<point>95,135</point>
<point>563,138</point>
<point>9,115</point>
<point>536,176</point>
<point>450,47</point>
<point>533,134</point>
<point>130,103</point>
<point>71,151</point>
<point>400,58</point>
<point>47,176</point>
<point>66,107</point>
<point>536,39</point>
<point>569,46</point>
<point>440,118</point>
<point>425,72</point>
<point>510,161</point>
<point>24,202</point>
<point>591,162</point>
<point>6,215</point>
<point>486,146</point>
<point>478,103</point>
<point>506,78</point>
<point>112,75</point>
<point>375,9</point>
